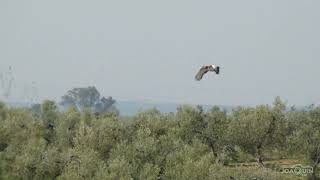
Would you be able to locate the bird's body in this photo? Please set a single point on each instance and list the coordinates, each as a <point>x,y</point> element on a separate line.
<point>204,69</point>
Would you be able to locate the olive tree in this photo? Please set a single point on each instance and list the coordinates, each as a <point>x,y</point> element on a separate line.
<point>257,129</point>
<point>306,138</point>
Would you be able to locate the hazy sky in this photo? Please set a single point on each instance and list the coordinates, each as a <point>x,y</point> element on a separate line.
<point>151,50</point>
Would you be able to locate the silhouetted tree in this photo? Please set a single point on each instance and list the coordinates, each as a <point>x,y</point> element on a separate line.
<point>88,98</point>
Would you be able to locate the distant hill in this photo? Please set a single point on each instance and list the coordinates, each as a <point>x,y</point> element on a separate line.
<point>128,108</point>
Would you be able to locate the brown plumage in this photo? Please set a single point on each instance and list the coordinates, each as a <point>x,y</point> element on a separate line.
<point>204,69</point>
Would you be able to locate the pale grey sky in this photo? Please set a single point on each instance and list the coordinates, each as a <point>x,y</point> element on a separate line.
<point>150,50</point>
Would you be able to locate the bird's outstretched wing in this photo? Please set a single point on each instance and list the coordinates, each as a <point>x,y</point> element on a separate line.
<point>203,70</point>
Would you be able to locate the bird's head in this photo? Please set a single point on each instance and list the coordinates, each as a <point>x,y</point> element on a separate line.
<point>214,68</point>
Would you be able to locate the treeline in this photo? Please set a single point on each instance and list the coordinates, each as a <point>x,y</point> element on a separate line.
<point>189,144</point>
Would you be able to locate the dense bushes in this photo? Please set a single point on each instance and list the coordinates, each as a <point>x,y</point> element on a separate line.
<point>190,144</point>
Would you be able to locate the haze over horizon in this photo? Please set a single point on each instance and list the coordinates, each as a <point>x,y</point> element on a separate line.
<point>151,50</point>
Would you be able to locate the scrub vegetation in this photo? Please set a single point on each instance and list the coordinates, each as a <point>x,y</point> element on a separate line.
<point>191,143</point>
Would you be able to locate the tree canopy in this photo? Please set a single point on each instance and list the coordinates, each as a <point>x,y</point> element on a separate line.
<point>88,98</point>
<point>192,143</point>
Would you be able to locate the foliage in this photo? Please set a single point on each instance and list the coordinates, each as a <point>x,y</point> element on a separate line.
<point>258,129</point>
<point>189,144</point>
<point>88,98</point>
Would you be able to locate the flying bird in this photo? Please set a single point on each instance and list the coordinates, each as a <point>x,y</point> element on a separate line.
<point>204,69</point>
